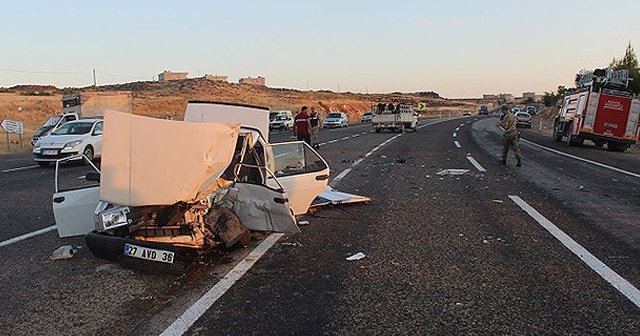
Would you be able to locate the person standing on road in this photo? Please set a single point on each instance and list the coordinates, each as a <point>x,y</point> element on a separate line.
<point>510,138</point>
<point>302,126</point>
<point>315,127</point>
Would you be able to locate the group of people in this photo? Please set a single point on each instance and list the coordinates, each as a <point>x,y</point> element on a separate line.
<point>307,126</point>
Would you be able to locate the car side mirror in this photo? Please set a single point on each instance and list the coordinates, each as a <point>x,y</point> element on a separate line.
<point>93,176</point>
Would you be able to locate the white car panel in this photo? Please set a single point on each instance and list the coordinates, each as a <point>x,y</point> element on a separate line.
<point>300,170</point>
<point>73,211</point>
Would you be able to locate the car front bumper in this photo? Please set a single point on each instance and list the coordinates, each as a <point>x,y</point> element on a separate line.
<point>110,247</point>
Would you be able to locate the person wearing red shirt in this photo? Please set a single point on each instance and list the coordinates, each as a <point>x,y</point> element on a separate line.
<point>302,125</point>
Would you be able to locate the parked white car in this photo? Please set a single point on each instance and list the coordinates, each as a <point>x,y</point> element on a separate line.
<point>336,119</point>
<point>280,120</point>
<point>72,139</point>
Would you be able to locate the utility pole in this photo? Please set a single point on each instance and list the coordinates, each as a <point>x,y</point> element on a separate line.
<point>95,87</point>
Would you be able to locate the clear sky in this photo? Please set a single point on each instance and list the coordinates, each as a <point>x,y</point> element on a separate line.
<point>457,48</point>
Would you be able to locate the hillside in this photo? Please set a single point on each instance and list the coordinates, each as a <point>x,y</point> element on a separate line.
<point>33,104</point>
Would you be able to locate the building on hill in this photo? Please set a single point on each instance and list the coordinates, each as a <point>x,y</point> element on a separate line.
<point>489,97</point>
<point>170,75</point>
<point>216,78</point>
<point>253,81</point>
<point>527,95</point>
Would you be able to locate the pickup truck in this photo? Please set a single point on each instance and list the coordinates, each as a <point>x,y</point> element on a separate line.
<point>394,118</point>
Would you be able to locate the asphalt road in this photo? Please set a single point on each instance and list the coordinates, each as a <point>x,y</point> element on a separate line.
<point>444,254</point>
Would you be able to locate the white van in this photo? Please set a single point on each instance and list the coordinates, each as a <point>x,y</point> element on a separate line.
<point>280,120</point>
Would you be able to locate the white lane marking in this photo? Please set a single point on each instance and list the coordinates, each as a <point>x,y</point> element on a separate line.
<point>582,159</point>
<point>457,144</point>
<point>468,121</point>
<point>476,164</point>
<point>27,235</point>
<point>455,135</point>
<point>19,168</point>
<point>618,282</point>
<point>462,124</point>
<point>193,313</point>
<point>342,175</point>
<point>457,129</point>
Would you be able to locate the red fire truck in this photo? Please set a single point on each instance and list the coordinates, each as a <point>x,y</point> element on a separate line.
<point>601,109</point>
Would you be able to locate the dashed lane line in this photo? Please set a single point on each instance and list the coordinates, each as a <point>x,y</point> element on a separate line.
<point>27,235</point>
<point>582,159</point>
<point>457,144</point>
<point>618,282</point>
<point>20,168</point>
<point>455,134</point>
<point>193,313</point>
<point>476,164</point>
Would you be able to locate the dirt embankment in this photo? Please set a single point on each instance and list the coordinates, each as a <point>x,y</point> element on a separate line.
<point>34,104</point>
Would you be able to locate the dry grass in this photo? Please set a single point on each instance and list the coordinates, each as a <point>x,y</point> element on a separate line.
<point>168,100</point>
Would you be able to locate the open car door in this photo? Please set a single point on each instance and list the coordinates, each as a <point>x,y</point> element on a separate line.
<point>301,171</point>
<point>73,208</point>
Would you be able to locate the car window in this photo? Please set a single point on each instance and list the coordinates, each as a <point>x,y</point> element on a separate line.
<point>334,115</point>
<point>74,128</point>
<point>294,158</point>
<point>98,129</point>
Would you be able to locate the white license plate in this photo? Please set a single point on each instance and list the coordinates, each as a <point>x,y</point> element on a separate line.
<point>148,253</point>
<point>50,152</point>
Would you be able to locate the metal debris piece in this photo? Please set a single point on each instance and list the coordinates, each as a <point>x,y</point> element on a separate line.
<point>497,201</point>
<point>356,256</point>
<point>452,172</point>
<point>294,244</point>
<point>63,252</point>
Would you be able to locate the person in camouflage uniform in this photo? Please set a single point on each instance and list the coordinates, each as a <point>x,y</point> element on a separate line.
<point>510,138</point>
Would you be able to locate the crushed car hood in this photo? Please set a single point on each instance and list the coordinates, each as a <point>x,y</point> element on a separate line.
<point>149,161</point>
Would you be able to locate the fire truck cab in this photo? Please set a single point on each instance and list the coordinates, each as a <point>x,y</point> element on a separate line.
<point>602,110</point>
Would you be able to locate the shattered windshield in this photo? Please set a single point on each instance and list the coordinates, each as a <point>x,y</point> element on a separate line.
<point>53,120</point>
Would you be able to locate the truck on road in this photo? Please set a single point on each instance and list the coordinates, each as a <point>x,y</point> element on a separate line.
<point>85,104</point>
<point>394,117</point>
<point>602,110</point>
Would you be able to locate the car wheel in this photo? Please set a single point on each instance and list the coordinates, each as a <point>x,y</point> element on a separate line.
<point>88,152</point>
<point>43,164</point>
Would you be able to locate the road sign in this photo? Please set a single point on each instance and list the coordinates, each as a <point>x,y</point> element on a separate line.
<point>422,106</point>
<point>12,126</point>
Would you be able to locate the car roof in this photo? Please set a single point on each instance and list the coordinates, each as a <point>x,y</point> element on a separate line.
<point>93,120</point>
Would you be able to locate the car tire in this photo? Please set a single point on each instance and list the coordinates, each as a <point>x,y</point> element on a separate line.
<point>88,152</point>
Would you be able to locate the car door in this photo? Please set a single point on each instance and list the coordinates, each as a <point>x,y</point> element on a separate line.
<point>96,138</point>
<point>300,170</point>
<point>73,207</point>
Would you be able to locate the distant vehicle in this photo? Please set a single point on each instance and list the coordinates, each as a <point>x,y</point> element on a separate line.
<point>483,110</point>
<point>280,120</point>
<point>336,119</point>
<point>394,118</point>
<point>72,139</point>
<point>530,109</point>
<point>602,110</point>
<point>84,105</point>
<point>523,119</point>
<point>52,124</point>
<point>366,117</point>
<point>466,113</point>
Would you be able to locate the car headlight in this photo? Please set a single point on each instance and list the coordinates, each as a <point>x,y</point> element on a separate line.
<point>36,146</point>
<point>72,144</point>
<point>112,218</point>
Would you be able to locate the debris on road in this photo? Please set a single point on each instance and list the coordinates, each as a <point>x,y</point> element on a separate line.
<point>452,172</point>
<point>303,223</point>
<point>497,201</point>
<point>356,256</point>
<point>62,253</point>
<point>383,156</point>
<point>294,244</point>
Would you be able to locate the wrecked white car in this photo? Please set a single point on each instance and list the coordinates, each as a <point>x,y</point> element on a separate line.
<point>169,188</point>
